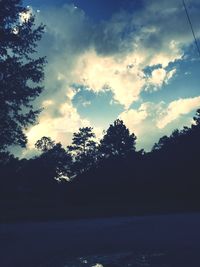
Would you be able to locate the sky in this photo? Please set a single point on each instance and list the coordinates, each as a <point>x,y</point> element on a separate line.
<point>132,60</point>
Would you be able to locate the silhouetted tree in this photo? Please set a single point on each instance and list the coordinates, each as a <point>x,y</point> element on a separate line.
<point>57,162</point>
<point>42,176</point>
<point>83,149</point>
<point>20,75</point>
<point>167,178</point>
<point>44,144</point>
<point>197,118</point>
<point>117,141</point>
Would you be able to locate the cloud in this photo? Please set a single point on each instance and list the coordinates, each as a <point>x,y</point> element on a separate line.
<point>126,44</point>
<point>176,109</point>
<point>60,128</point>
<point>64,40</point>
<point>158,78</point>
<point>151,120</point>
<point>125,77</point>
<point>110,55</point>
<point>86,103</point>
<point>171,26</point>
<point>134,118</point>
<point>47,103</point>
<point>142,122</point>
<point>101,54</point>
<point>108,73</point>
<point>169,75</point>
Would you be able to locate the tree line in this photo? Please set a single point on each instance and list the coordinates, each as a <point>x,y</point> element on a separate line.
<point>100,175</point>
<point>108,173</point>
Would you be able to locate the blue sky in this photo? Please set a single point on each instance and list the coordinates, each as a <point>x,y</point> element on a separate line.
<point>133,60</point>
<point>96,9</point>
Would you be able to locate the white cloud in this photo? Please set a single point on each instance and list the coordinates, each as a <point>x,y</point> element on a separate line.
<point>134,118</point>
<point>99,73</point>
<point>124,77</point>
<point>47,103</point>
<point>176,109</point>
<point>71,92</point>
<point>104,57</point>
<point>98,56</point>
<point>169,75</point>
<point>159,77</point>
<point>142,123</point>
<point>152,121</point>
<point>60,128</point>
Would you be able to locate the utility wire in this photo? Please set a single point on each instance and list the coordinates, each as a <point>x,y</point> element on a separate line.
<point>190,22</point>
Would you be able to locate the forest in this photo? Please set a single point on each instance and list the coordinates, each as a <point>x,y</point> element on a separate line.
<point>88,177</point>
<point>105,178</point>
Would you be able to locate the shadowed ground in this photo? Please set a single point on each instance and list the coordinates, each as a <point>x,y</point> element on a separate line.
<point>164,240</point>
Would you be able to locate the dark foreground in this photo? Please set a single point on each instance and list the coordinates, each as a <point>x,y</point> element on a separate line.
<point>161,241</point>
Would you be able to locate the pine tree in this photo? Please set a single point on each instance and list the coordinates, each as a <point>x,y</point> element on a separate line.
<point>21,73</point>
<point>83,149</point>
<point>117,142</point>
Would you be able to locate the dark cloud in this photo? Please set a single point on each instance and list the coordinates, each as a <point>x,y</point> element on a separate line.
<point>115,36</point>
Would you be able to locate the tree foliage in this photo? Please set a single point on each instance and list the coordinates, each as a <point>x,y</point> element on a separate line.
<point>167,178</point>
<point>83,149</point>
<point>44,144</point>
<point>57,162</point>
<point>197,118</point>
<point>117,141</point>
<point>20,72</point>
<point>82,141</point>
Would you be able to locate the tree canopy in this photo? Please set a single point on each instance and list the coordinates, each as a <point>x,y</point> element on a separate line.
<point>117,141</point>
<point>111,172</point>
<point>82,141</point>
<point>44,144</point>
<point>21,73</point>
<point>83,149</point>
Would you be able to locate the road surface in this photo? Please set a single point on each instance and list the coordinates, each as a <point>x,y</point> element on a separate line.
<point>162,241</point>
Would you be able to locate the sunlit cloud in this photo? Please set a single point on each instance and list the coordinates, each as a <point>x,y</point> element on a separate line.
<point>60,128</point>
<point>112,56</point>
<point>25,16</point>
<point>47,103</point>
<point>158,78</point>
<point>176,109</point>
<point>124,77</point>
<point>125,82</point>
<point>134,118</point>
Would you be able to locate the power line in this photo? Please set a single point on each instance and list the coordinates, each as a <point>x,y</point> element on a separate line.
<point>190,22</point>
